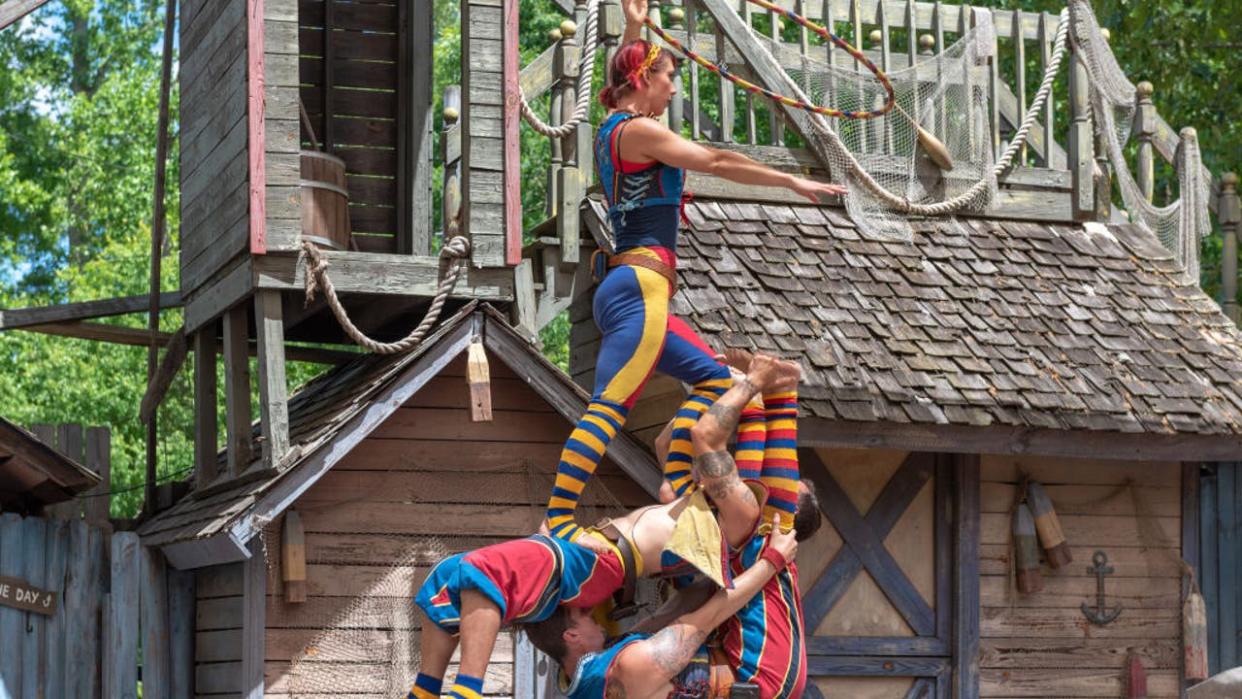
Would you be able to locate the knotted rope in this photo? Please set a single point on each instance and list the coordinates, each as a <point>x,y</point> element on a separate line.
<point>455,250</point>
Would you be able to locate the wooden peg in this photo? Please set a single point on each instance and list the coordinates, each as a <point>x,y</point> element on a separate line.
<point>479,377</point>
<point>1194,636</point>
<point>293,557</point>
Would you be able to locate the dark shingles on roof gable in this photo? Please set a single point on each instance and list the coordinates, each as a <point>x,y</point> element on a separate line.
<point>972,322</point>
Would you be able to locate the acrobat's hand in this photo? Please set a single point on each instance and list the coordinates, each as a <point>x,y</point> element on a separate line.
<point>635,11</point>
<point>784,543</point>
<point>813,190</point>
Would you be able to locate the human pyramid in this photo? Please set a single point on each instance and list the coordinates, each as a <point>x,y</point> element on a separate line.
<point>727,528</point>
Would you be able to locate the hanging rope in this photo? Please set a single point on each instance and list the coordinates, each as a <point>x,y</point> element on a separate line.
<point>802,102</point>
<point>586,73</point>
<point>455,250</point>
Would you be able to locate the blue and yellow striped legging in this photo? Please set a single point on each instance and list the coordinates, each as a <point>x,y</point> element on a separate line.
<point>639,336</point>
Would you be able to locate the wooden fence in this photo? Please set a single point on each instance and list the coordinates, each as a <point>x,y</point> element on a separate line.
<point>116,614</point>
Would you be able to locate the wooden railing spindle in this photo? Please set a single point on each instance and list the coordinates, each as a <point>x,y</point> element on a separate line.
<point>1019,89</point>
<point>1144,131</point>
<point>1229,213</point>
<point>556,100</point>
<point>676,110</point>
<point>1046,37</point>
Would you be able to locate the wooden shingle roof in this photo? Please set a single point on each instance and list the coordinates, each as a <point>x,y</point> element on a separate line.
<point>977,323</point>
<point>334,412</point>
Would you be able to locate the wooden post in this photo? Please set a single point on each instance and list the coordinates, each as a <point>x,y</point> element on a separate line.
<point>1081,140</point>
<point>156,668</point>
<point>273,393</point>
<point>99,459</point>
<point>1144,132</point>
<point>610,22</point>
<point>450,202</point>
<point>237,389</point>
<point>123,615</point>
<point>414,117</point>
<point>254,619</point>
<point>568,179</point>
<point>556,102</point>
<point>181,611</point>
<point>205,414</point>
<point>157,240</point>
<point>1229,213</point>
<point>676,108</point>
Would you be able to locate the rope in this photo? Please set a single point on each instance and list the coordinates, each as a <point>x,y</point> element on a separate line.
<point>456,249</point>
<point>1006,160</point>
<point>802,102</point>
<point>586,73</point>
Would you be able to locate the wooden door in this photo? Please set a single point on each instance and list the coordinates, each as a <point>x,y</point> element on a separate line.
<point>878,579</point>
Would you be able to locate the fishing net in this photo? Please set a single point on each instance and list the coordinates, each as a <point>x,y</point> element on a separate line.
<point>945,94</point>
<point>1179,225</point>
<point>358,632</point>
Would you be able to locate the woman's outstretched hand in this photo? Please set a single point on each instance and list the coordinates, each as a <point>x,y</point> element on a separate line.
<point>813,190</point>
<point>635,11</point>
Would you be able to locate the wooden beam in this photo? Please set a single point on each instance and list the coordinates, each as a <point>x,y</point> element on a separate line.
<point>255,128</point>
<point>966,577</point>
<point>382,273</point>
<point>121,335</point>
<point>273,391</point>
<point>254,621</point>
<point>22,317</point>
<point>512,173</point>
<point>206,410</point>
<point>14,10</point>
<point>236,391</point>
<point>175,351</point>
<point>999,439</point>
<point>414,114</point>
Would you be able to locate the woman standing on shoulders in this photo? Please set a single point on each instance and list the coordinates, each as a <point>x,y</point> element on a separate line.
<point>642,164</point>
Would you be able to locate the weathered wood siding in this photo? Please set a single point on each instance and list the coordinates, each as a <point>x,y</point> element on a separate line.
<point>483,142</point>
<point>427,482</point>
<point>281,141</point>
<point>1041,645</point>
<point>353,106</point>
<point>218,631</point>
<point>214,179</point>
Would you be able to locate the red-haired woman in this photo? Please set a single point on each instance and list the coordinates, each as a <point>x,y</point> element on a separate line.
<point>641,165</point>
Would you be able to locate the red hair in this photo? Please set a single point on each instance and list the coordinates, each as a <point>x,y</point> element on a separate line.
<point>622,77</point>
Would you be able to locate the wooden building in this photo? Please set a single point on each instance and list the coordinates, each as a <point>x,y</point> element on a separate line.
<point>33,475</point>
<point>1041,339</point>
<point>390,474</point>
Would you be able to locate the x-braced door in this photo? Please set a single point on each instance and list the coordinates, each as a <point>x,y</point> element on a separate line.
<point>878,578</point>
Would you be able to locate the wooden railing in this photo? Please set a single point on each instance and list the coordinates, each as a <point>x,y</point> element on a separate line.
<point>896,34</point>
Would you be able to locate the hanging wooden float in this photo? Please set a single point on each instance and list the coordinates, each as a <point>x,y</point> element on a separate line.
<point>1026,551</point>
<point>1048,526</point>
<point>325,201</point>
<point>1194,636</point>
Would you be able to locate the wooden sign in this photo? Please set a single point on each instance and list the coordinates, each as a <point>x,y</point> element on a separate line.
<point>14,592</point>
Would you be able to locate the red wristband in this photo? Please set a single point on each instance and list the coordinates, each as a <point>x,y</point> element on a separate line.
<point>774,557</point>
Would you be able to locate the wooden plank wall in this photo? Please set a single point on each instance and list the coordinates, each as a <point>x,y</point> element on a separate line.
<point>281,141</point>
<point>214,180</point>
<point>354,108</point>
<point>426,482</point>
<point>483,142</point>
<point>1041,645</point>
<point>217,631</point>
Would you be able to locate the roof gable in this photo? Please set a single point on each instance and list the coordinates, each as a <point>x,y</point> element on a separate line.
<point>335,412</point>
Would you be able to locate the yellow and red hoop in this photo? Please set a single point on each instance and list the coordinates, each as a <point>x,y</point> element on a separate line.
<point>890,99</point>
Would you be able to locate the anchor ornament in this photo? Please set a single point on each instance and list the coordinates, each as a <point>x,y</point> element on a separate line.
<point>1101,614</point>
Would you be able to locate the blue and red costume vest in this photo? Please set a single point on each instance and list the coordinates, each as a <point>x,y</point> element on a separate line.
<point>644,200</point>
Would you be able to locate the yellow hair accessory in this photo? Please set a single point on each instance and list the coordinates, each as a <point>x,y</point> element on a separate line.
<point>637,74</point>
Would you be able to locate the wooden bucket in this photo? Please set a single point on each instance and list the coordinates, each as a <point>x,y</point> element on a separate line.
<point>325,201</point>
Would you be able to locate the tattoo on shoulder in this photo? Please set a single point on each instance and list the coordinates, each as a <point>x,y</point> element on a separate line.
<point>673,647</point>
<point>715,464</point>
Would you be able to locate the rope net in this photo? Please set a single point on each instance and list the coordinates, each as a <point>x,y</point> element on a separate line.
<point>358,632</point>
<point>1179,225</point>
<point>945,94</point>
